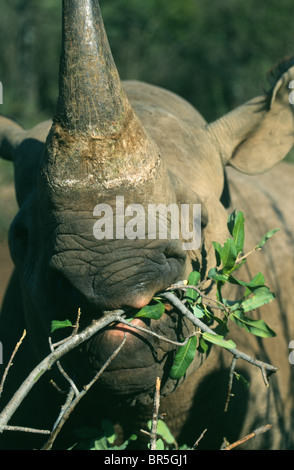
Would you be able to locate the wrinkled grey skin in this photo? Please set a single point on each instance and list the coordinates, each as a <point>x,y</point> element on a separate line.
<point>150,146</point>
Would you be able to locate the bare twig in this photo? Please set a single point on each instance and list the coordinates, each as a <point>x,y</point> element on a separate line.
<point>62,371</point>
<point>152,333</point>
<point>50,360</point>
<point>25,429</point>
<point>258,431</point>
<point>153,434</point>
<point>232,370</point>
<point>199,439</point>
<point>10,361</point>
<point>69,399</point>
<point>67,411</point>
<point>77,325</point>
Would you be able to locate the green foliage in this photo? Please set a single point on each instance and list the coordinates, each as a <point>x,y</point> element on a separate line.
<point>105,438</point>
<point>183,358</point>
<point>229,258</point>
<point>154,311</point>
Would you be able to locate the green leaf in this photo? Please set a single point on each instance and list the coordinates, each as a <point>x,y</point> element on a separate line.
<point>183,358</point>
<point>153,311</point>
<point>257,281</point>
<point>219,340</point>
<point>238,232</point>
<point>163,431</point>
<point>228,255</point>
<point>216,276</point>
<point>108,430</point>
<point>197,311</point>
<point>262,295</point>
<point>193,279</point>
<point>57,325</point>
<point>266,237</point>
<point>217,251</point>
<point>203,346</point>
<point>159,444</point>
<point>256,327</point>
<point>242,379</point>
<point>231,222</point>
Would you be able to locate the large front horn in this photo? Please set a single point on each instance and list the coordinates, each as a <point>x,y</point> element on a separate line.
<point>91,99</point>
<point>96,138</point>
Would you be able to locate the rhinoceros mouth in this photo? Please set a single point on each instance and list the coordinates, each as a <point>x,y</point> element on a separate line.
<point>142,359</point>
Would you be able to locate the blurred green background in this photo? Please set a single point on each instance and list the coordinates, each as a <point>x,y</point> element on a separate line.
<point>214,53</point>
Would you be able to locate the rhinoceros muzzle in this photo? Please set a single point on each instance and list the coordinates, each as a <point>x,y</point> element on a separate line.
<point>132,373</point>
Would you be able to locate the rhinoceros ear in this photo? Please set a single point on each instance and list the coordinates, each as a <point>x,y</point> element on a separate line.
<point>257,135</point>
<point>11,135</point>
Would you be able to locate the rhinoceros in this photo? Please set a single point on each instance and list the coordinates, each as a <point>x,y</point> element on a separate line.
<point>149,146</point>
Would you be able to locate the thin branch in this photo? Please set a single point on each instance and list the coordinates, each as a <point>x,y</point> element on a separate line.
<point>152,333</point>
<point>258,431</point>
<point>48,445</point>
<point>50,360</point>
<point>77,325</point>
<point>254,250</point>
<point>153,434</point>
<point>230,384</point>
<point>199,439</point>
<point>201,294</point>
<point>62,371</point>
<point>10,361</point>
<point>69,399</point>
<point>25,429</point>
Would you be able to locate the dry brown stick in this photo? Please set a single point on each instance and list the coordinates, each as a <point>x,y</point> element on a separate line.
<point>257,431</point>
<point>10,361</point>
<point>48,445</point>
<point>77,325</point>
<point>156,403</point>
<point>199,439</point>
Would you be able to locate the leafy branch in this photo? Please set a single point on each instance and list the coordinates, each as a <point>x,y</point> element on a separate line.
<point>199,306</point>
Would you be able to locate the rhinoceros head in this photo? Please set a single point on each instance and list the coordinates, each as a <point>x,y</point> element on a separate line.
<point>98,150</point>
